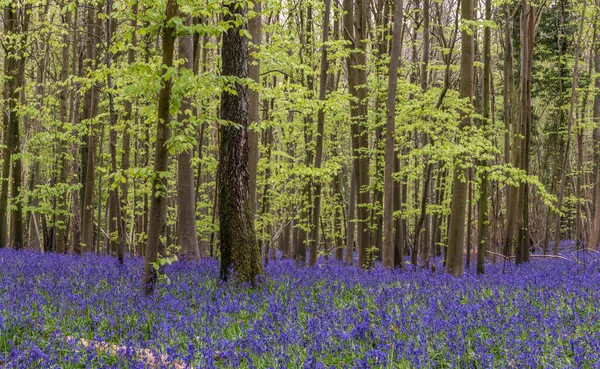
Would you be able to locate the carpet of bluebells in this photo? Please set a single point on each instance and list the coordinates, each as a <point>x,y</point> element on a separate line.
<point>542,315</point>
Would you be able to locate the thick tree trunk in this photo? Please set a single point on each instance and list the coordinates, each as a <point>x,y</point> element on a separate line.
<point>158,200</point>
<point>239,249</point>
<point>390,138</point>
<point>456,225</point>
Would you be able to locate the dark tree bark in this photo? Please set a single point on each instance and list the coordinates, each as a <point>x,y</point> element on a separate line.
<point>88,151</point>
<point>239,248</point>
<point>115,199</point>
<point>482,202</point>
<point>158,200</point>
<point>16,20</point>
<point>390,138</point>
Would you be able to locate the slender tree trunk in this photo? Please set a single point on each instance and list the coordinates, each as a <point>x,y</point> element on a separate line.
<point>362,140</point>
<point>239,249</point>
<point>390,138</point>
<point>571,120</point>
<point>482,202</point>
<point>115,200</point>
<point>319,144</point>
<point>595,232</point>
<point>350,228</point>
<point>456,225</point>
<point>255,28</point>
<point>15,21</point>
<point>158,200</point>
<point>128,119</point>
<point>77,69</point>
<point>89,152</point>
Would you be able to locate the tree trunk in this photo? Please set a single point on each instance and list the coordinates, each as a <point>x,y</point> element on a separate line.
<point>456,225</point>
<point>158,200</point>
<point>255,28</point>
<point>115,200</point>
<point>314,238</point>
<point>89,152</point>
<point>595,232</point>
<point>482,202</point>
<point>14,70</point>
<point>239,249</point>
<point>390,138</point>
<point>186,201</point>
<point>571,120</point>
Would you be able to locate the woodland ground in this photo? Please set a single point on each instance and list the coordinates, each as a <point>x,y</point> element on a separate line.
<point>59,311</point>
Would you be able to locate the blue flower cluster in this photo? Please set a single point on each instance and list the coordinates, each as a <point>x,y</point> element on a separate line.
<point>545,314</point>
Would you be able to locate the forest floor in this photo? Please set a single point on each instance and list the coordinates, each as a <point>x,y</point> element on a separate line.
<point>60,311</point>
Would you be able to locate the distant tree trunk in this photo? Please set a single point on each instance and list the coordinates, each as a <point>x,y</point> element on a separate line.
<point>509,85</point>
<point>390,138</point>
<point>521,160</point>
<point>482,202</point>
<point>10,70</point>
<point>186,201</point>
<point>128,119</point>
<point>255,28</point>
<point>456,225</point>
<point>571,121</point>
<point>158,200</point>
<point>16,20</point>
<point>510,124</point>
<point>357,83</point>
<point>89,151</point>
<point>77,70</point>
<point>239,248</point>
<point>60,233</point>
<point>115,200</point>
<point>349,36</point>
<point>595,232</point>
<point>350,228</point>
<point>314,238</point>
<point>399,225</point>
<point>304,213</point>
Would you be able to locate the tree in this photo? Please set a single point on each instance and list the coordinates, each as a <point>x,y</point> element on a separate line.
<point>456,225</point>
<point>390,152</point>
<point>186,201</point>
<point>239,248</point>
<point>158,201</point>
<point>482,203</point>
<point>595,232</point>
<point>316,216</point>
